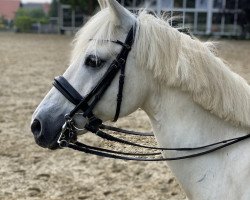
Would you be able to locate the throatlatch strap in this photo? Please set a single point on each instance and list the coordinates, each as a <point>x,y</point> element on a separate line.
<point>120,92</point>
<point>122,59</point>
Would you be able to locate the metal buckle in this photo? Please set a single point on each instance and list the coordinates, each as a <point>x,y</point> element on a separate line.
<point>126,46</point>
<point>68,134</point>
<point>122,61</point>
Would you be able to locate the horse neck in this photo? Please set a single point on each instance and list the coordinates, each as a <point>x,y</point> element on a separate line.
<point>179,122</point>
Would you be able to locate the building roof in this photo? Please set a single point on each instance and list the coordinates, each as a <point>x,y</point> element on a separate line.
<point>44,6</point>
<point>8,8</point>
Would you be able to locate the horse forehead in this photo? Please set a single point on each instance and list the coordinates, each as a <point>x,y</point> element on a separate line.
<point>102,48</point>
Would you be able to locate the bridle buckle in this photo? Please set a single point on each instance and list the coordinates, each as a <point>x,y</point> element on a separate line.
<point>68,134</point>
<point>122,61</point>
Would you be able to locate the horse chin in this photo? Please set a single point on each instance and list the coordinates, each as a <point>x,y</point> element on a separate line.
<point>54,144</point>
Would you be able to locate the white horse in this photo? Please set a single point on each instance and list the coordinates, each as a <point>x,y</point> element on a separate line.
<point>190,95</point>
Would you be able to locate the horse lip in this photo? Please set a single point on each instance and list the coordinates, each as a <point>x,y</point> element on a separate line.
<point>54,145</point>
<point>41,143</point>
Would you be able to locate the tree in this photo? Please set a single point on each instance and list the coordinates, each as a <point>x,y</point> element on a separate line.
<point>23,23</point>
<point>25,18</point>
<point>53,12</point>
<point>87,6</point>
<point>37,14</point>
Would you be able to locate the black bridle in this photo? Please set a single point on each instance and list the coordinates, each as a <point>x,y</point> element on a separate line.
<point>68,136</point>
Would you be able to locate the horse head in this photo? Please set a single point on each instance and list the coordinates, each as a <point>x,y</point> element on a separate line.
<point>93,53</point>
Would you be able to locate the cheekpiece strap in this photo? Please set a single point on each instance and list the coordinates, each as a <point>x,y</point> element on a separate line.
<point>122,59</point>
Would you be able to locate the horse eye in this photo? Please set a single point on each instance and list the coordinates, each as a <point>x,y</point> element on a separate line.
<point>93,61</point>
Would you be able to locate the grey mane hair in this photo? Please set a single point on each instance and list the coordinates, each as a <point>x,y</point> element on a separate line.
<point>177,60</point>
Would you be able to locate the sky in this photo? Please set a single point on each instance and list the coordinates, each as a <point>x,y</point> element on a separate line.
<point>36,1</point>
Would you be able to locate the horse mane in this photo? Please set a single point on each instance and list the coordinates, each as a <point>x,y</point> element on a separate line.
<point>178,60</point>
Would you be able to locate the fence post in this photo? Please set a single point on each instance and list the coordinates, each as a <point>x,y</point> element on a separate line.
<point>159,7</point>
<point>209,17</point>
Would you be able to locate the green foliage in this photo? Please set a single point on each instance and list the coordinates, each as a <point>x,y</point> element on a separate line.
<point>53,12</point>
<point>25,18</point>
<point>2,24</point>
<point>87,6</point>
<point>23,23</point>
<point>37,14</point>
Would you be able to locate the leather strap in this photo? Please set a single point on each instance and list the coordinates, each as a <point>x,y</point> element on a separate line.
<point>67,90</point>
<point>126,47</point>
<point>98,152</point>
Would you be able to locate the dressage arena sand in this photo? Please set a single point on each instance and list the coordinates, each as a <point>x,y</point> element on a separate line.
<point>28,64</point>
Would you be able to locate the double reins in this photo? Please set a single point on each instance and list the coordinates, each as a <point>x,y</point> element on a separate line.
<point>141,156</point>
<point>68,135</point>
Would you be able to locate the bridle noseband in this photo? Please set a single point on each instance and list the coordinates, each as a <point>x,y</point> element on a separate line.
<point>68,135</point>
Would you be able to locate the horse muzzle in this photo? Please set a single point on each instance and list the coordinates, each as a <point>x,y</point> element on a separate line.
<point>46,130</point>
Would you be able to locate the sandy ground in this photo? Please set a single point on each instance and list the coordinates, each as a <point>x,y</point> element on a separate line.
<point>28,64</point>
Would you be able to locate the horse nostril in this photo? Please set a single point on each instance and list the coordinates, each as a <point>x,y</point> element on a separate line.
<point>36,127</point>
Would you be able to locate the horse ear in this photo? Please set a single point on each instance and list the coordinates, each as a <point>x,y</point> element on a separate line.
<point>120,14</point>
<point>102,4</point>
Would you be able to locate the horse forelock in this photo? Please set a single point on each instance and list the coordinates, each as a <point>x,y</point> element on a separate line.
<point>177,60</point>
<point>98,28</point>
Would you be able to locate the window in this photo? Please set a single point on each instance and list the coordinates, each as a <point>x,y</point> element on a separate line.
<point>201,22</point>
<point>128,3</point>
<point>241,24</point>
<point>178,3</point>
<point>242,4</point>
<point>190,4</point>
<point>202,4</point>
<point>218,3</point>
<point>166,4</point>
<point>230,4</point>
<point>78,17</point>
<point>229,23</point>
<point>67,17</point>
<point>189,20</point>
<point>140,3</point>
<point>216,26</point>
<point>229,18</point>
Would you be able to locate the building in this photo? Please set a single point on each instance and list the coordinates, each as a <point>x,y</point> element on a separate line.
<point>70,20</point>
<point>203,17</point>
<point>42,6</point>
<point>8,9</point>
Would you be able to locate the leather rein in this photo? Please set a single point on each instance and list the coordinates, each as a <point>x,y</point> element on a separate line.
<point>69,132</point>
